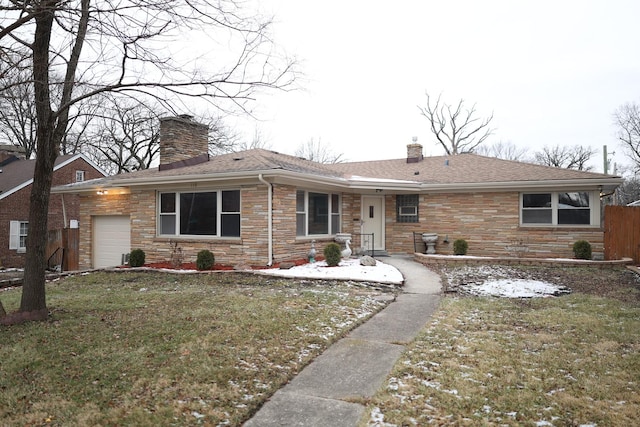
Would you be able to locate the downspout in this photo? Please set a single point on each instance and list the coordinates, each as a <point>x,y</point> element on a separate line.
<point>64,212</point>
<point>269,218</point>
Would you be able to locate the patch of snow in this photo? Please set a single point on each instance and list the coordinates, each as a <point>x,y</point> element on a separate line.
<point>348,269</point>
<point>515,288</point>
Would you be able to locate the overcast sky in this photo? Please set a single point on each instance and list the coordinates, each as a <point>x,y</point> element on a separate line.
<point>552,72</point>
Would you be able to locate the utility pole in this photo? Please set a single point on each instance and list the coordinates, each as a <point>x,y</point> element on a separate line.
<point>605,160</point>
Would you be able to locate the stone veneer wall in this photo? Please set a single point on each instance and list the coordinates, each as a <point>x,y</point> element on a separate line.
<point>489,222</point>
<point>250,248</point>
<point>182,138</point>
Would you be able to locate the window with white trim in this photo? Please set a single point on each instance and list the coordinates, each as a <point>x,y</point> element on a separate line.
<point>79,176</point>
<point>18,231</point>
<point>203,213</point>
<point>407,208</point>
<point>559,208</point>
<point>317,213</point>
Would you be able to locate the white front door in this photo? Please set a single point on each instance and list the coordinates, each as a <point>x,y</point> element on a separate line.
<point>373,222</point>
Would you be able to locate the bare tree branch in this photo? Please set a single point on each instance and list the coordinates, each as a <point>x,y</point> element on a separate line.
<point>627,119</point>
<point>575,157</point>
<point>316,151</point>
<point>503,150</point>
<point>456,129</point>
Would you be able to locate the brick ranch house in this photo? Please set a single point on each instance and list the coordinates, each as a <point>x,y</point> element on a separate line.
<point>258,207</point>
<point>16,177</point>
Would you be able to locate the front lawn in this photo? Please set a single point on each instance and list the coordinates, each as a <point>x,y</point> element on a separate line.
<point>152,349</point>
<point>573,360</point>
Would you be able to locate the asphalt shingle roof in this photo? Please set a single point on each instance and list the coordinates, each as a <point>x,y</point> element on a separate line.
<point>18,172</point>
<point>459,169</point>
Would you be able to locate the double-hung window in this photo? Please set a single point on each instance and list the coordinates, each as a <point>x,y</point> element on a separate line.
<point>203,213</point>
<point>18,231</point>
<point>317,213</point>
<point>559,208</point>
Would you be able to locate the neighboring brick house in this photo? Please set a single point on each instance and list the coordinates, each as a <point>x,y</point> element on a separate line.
<point>257,207</point>
<point>16,177</point>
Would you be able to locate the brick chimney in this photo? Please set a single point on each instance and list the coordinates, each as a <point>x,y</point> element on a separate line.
<point>414,152</point>
<point>183,142</point>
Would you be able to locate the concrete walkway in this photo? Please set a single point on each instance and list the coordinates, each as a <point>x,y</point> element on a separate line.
<point>353,368</point>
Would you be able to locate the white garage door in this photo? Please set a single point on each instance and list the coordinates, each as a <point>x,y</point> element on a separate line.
<point>111,239</point>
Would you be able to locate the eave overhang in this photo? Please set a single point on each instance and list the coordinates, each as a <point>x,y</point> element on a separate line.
<point>349,184</point>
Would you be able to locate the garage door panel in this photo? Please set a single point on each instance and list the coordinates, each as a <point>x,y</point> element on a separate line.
<point>111,239</point>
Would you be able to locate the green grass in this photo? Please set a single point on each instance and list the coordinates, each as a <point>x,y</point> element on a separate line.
<point>158,349</point>
<point>568,361</point>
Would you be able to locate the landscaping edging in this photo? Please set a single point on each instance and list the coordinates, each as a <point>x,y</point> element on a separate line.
<point>555,262</point>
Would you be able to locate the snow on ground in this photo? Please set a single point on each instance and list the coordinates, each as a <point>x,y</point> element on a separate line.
<point>348,269</point>
<point>515,288</point>
<point>500,281</point>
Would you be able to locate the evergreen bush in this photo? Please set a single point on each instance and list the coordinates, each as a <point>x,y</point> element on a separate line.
<point>205,260</point>
<point>460,247</point>
<point>332,254</point>
<point>582,249</point>
<point>136,258</point>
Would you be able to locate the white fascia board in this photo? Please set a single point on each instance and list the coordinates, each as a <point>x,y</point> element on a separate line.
<point>352,184</point>
<point>567,184</point>
<point>227,176</point>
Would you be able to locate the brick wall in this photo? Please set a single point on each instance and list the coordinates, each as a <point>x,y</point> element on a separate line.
<point>489,222</point>
<point>15,207</point>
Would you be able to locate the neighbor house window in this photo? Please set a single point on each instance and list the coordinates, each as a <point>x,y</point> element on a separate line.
<point>79,176</point>
<point>18,235</point>
<point>407,208</point>
<point>204,213</point>
<point>317,213</point>
<point>570,208</point>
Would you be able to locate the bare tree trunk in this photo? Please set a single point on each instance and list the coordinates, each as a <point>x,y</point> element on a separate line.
<point>2,312</point>
<point>33,287</point>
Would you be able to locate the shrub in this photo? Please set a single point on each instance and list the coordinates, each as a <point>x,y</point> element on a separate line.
<point>332,254</point>
<point>205,260</point>
<point>582,249</point>
<point>460,247</point>
<point>136,258</point>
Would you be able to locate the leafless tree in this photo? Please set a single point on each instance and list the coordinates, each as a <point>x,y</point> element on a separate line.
<point>316,151</point>
<point>131,48</point>
<point>257,141</point>
<point>629,191</point>
<point>123,137</point>
<point>575,157</point>
<point>627,119</point>
<point>503,150</point>
<point>17,110</point>
<point>457,128</point>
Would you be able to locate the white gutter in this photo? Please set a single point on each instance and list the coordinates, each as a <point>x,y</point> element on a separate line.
<point>269,218</point>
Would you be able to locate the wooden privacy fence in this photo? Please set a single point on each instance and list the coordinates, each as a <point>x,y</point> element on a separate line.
<point>62,249</point>
<point>622,232</point>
